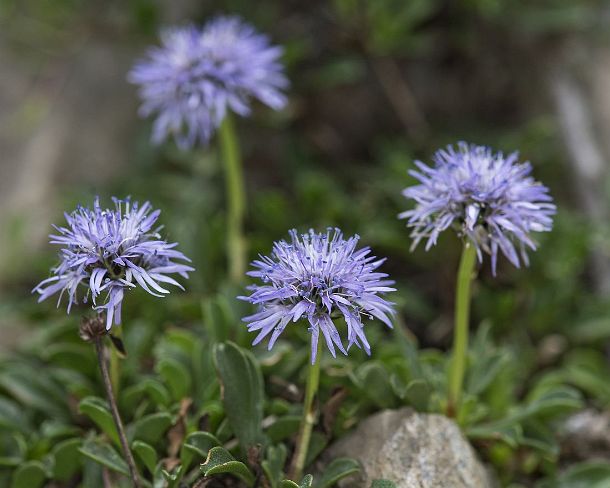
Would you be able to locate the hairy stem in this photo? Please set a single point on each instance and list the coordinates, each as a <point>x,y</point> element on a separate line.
<point>115,365</point>
<point>236,199</point>
<point>460,337</point>
<point>101,358</point>
<point>308,420</point>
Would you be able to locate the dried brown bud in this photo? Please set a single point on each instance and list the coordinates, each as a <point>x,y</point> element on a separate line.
<point>91,328</point>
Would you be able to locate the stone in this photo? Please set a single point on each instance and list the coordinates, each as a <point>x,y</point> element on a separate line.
<point>586,435</point>
<point>413,450</point>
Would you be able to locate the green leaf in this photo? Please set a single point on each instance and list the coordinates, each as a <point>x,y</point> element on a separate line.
<point>173,478</point>
<point>155,390</point>
<point>176,376</point>
<point>215,318</point>
<point>283,427</point>
<point>104,454</point>
<point>584,475</point>
<point>415,392</point>
<point>11,416</point>
<point>146,453</point>
<point>31,474</point>
<point>34,390</point>
<point>505,430</point>
<point>550,401</point>
<point>242,392</point>
<point>590,331</point>
<point>10,461</point>
<point>206,385</point>
<point>383,484</point>
<point>97,410</point>
<point>540,435</point>
<point>317,443</point>
<point>374,381</point>
<point>67,459</point>
<point>410,351</point>
<point>159,476</point>
<point>220,461</point>
<point>543,403</point>
<point>274,464</point>
<point>77,357</point>
<point>92,474</point>
<point>151,427</point>
<point>14,449</point>
<point>306,482</point>
<point>56,431</point>
<point>197,444</point>
<point>484,371</point>
<point>337,470</point>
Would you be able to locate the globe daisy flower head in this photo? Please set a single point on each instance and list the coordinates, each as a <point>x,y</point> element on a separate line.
<point>490,199</point>
<point>317,278</point>
<point>107,251</point>
<point>196,75</point>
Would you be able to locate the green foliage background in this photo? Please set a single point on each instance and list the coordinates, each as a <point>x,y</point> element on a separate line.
<point>338,156</point>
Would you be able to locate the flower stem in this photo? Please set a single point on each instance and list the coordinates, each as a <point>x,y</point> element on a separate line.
<point>101,358</point>
<point>309,418</point>
<point>236,199</point>
<point>460,337</point>
<point>115,364</point>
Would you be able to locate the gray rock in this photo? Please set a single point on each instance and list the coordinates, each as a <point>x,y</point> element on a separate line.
<point>413,450</point>
<point>586,435</point>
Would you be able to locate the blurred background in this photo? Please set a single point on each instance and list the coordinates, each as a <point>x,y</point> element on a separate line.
<point>375,85</point>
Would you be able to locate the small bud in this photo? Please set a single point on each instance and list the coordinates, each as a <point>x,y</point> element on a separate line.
<point>92,328</point>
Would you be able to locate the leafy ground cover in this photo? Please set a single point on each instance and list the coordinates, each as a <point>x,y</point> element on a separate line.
<point>202,407</point>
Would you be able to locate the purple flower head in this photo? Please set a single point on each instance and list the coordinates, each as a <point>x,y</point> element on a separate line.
<point>108,251</point>
<point>488,198</point>
<point>191,81</point>
<point>319,277</point>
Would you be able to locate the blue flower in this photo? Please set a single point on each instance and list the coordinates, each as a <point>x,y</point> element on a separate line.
<point>319,277</point>
<point>490,199</point>
<point>108,251</point>
<point>191,81</point>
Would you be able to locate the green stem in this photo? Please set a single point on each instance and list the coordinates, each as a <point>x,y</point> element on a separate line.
<point>236,199</point>
<point>309,418</point>
<point>460,337</point>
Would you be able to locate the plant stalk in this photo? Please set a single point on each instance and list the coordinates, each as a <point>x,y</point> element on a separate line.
<point>101,358</point>
<point>115,364</point>
<point>309,418</point>
<point>460,337</point>
<point>236,199</point>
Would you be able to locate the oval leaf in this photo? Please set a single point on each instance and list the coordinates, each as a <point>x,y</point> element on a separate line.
<point>176,376</point>
<point>274,464</point>
<point>288,484</point>
<point>197,445</point>
<point>11,416</point>
<point>337,470</point>
<point>242,392</point>
<point>307,481</point>
<point>104,454</point>
<point>146,453</point>
<point>97,410</point>
<point>220,461</point>
<point>152,427</point>
<point>29,475</point>
<point>283,427</point>
<point>67,459</point>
